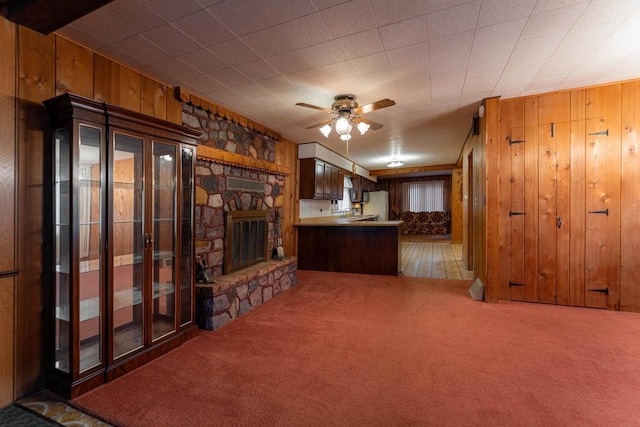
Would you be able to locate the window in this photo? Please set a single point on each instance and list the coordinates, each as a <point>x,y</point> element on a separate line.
<point>426,196</point>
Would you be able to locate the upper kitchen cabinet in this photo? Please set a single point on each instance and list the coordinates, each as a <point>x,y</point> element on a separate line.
<point>320,180</point>
<point>122,241</point>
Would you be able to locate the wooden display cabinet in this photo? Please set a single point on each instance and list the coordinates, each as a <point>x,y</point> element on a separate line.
<point>122,201</point>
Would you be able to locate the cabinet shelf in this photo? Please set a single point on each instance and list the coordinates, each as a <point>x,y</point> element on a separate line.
<point>127,309</point>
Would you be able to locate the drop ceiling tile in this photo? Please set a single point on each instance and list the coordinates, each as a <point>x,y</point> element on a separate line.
<point>227,96</point>
<point>326,4</point>
<point>541,86</point>
<point>269,42</point>
<point>132,14</point>
<point>312,76</point>
<point>345,85</point>
<point>349,18</point>
<point>457,44</point>
<point>497,11</point>
<point>361,44</point>
<point>404,33</point>
<point>171,39</point>
<point>307,31</point>
<point>436,5</point>
<point>204,61</point>
<point>485,68</point>
<point>251,90</point>
<point>387,12</point>
<point>311,57</point>
<point>277,84</point>
<point>371,63</point>
<point>123,57</point>
<point>177,68</point>
<point>204,84</point>
<point>471,97</point>
<point>241,17</point>
<point>203,28</point>
<point>267,101</point>
<point>552,71</point>
<point>543,6</point>
<point>554,21</point>
<point>599,11</point>
<point>141,49</point>
<point>234,52</point>
<point>285,10</point>
<point>170,9</point>
<point>100,30</point>
<point>447,76</point>
<point>504,34</point>
<point>453,20</point>
<point>229,77</point>
<point>408,55</point>
<point>418,71</point>
<point>89,38</point>
<point>257,70</point>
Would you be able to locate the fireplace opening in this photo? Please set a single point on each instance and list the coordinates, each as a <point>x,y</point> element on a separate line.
<point>245,240</point>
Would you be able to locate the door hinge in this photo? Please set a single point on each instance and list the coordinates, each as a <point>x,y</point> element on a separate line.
<point>603,132</point>
<point>604,212</point>
<point>516,141</point>
<point>553,129</point>
<point>602,291</point>
<point>512,213</point>
<point>511,284</point>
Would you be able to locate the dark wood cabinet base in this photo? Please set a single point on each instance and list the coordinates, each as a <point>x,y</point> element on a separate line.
<point>350,249</point>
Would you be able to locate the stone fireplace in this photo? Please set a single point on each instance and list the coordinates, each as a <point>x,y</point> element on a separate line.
<point>245,239</point>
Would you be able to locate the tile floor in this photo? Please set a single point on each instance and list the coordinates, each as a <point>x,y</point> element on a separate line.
<point>52,406</point>
<point>438,260</point>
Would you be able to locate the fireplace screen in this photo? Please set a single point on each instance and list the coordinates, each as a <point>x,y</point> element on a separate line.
<point>246,239</point>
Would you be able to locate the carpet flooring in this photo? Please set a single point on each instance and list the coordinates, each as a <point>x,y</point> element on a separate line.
<point>360,350</point>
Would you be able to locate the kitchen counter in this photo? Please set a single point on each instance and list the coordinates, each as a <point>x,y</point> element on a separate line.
<point>350,246</point>
<point>340,222</point>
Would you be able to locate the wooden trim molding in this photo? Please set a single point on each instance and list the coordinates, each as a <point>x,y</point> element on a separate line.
<point>216,155</point>
<point>400,171</point>
<point>220,111</point>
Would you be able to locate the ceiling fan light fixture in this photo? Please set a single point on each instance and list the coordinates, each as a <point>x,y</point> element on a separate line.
<point>345,137</point>
<point>395,164</point>
<point>343,127</point>
<point>326,130</point>
<point>363,127</point>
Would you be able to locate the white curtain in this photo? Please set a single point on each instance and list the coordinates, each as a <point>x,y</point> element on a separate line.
<point>426,196</point>
<point>84,209</point>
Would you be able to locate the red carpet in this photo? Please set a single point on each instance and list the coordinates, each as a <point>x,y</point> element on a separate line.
<point>358,350</point>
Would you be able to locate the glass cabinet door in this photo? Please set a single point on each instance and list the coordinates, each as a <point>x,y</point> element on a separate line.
<point>164,239</point>
<point>91,274</point>
<point>62,236</point>
<point>128,243</point>
<point>186,236</point>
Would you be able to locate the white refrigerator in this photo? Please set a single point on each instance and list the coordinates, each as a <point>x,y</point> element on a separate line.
<point>378,205</point>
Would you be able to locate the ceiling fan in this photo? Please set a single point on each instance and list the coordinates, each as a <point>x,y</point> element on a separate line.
<point>346,113</point>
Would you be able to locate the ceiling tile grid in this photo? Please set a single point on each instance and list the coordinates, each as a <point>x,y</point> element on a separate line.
<point>436,58</point>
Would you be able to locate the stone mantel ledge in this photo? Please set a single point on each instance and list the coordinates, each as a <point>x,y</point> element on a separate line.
<point>223,283</point>
<point>216,155</point>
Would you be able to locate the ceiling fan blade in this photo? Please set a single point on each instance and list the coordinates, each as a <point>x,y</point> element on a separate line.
<point>322,123</point>
<point>315,107</point>
<point>367,108</point>
<point>373,125</point>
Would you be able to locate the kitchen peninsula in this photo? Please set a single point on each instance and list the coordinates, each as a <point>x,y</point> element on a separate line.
<point>350,245</point>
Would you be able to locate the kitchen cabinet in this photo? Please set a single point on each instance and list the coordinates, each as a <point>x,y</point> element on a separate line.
<point>320,180</point>
<point>122,239</point>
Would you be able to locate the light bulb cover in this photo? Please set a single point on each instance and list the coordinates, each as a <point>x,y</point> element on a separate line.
<point>343,127</point>
<point>363,127</point>
<point>326,130</point>
<point>345,137</point>
<point>395,164</point>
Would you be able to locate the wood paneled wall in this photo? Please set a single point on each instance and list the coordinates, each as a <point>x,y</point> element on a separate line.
<point>568,231</point>
<point>8,258</point>
<point>456,206</point>
<point>287,155</point>
<point>35,68</point>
